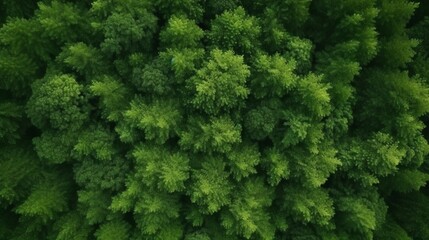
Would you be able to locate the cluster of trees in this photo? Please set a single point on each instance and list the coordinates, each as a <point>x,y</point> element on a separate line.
<point>214,119</point>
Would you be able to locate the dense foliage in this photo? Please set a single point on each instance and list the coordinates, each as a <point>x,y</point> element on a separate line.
<point>214,119</point>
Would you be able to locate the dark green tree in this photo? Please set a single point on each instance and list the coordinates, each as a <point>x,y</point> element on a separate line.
<point>198,120</point>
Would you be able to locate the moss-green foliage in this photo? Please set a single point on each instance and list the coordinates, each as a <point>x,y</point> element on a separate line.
<point>214,119</point>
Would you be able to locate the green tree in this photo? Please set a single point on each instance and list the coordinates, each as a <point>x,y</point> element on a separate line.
<point>198,120</point>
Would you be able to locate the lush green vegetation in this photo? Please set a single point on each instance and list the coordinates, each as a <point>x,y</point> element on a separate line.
<point>214,119</point>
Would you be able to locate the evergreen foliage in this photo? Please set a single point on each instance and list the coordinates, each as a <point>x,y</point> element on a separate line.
<point>214,119</point>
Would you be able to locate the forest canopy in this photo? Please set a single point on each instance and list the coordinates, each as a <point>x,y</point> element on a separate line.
<point>214,119</point>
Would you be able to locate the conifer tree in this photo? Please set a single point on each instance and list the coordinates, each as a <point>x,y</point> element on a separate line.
<point>198,120</point>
